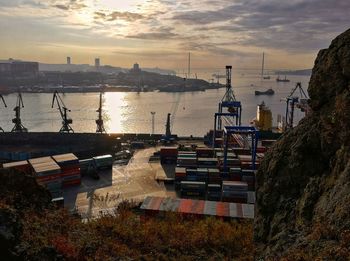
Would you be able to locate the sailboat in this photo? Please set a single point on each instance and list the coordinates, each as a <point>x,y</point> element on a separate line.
<point>267,77</point>
<point>268,91</point>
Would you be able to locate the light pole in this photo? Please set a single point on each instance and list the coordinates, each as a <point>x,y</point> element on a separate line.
<point>153,113</point>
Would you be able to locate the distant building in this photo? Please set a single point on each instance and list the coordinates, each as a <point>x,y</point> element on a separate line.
<point>68,60</point>
<point>97,63</point>
<point>18,68</point>
<point>136,68</point>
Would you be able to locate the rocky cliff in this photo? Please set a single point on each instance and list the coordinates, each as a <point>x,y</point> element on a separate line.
<point>303,184</point>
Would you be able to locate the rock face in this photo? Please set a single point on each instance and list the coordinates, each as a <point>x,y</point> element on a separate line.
<point>303,184</point>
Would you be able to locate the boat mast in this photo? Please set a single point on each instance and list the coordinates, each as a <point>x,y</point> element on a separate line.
<point>262,66</point>
<point>189,66</point>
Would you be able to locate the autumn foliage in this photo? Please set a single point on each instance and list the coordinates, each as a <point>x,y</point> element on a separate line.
<point>126,235</point>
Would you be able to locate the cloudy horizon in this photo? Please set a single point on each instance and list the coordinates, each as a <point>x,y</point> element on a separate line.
<point>160,33</point>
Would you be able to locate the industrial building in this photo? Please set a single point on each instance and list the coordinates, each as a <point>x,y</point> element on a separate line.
<point>17,68</point>
<point>97,63</point>
<point>136,68</point>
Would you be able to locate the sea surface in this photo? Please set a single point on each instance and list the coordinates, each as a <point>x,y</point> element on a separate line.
<point>192,112</point>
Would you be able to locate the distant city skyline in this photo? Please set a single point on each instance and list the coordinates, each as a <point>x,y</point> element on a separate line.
<point>161,33</point>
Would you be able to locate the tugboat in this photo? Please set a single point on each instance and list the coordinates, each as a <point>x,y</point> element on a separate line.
<point>278,79</point>
<point>267,92</point>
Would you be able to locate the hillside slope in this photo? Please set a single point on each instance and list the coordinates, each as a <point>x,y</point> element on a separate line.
<point>303,184</point>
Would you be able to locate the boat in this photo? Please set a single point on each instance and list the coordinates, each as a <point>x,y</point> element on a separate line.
<point>267,92</point>
<point>267,77</point>
<point>278,79</point>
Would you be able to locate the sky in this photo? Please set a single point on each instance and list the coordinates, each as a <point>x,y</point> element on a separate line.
<point>160,33</point>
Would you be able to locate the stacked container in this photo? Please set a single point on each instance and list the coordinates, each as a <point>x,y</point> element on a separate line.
<point>22,166</point>
<point>168,155</point>
<point>193,189</point>
<point>187,159</point>
<point>85,164</point>
<point>180,175</point>
<point>103,162</point>
<point>48,174</point>
<point>214,192</point>
<point>235,174</point>
<point>70,167</point>
<point>197,174</point>
<point>249,177</point>
<point>234,191</point>
<point>207,162</point>
<point>204,152</point>
<point>214,176</point>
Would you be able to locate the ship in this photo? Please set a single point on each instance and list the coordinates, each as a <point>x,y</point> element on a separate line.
<point>263,122</point>
<point>278,79</point>
<point>267,92</point>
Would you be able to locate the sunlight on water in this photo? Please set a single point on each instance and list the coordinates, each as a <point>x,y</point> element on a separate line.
<point>114,106</point>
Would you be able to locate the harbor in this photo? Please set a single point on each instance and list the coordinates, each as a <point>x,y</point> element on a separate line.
<point>131,112</point>
<point>91,173</point>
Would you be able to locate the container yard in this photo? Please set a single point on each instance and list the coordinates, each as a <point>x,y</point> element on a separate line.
<point>93,173</point>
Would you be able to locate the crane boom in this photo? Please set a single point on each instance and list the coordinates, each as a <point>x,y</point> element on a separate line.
<point>295,101</point>
<point>17,120</point>
<point>63,111</point>
<point>99,122</point>
<point>3,100</point>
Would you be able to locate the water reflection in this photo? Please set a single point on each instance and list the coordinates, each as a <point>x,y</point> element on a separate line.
<point>131,112</point>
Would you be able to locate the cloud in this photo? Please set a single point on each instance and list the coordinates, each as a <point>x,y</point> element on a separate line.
<point>161,33</point>
<point>116,15</point>
<point>63,7</point>
<point>215,49</point>
<point>70,5</point>
<point>293,25</point>
<point>223,28</point>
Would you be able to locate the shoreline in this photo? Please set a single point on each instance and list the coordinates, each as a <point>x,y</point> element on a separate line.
<point>96,89</point>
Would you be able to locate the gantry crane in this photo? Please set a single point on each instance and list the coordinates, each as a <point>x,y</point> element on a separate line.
<point>229,101</point>
<point>17,120</point>
<point>295,101</point>
<point>99,122</point>
<point>63,111</point>
<point>3,100</point>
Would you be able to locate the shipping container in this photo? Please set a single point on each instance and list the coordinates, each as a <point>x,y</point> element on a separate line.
<point>234,186</point>
<point>70,167</point>
<point>18,165</point>
<point>103,162</point>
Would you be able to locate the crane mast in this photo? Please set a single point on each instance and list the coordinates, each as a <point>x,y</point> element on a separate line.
<point>66,128</point>
<point>99,122</point>
<point>295,101</point>
<point>3,100</point>
<point>17,120</point>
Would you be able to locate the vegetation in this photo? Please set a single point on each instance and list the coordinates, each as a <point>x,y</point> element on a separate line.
<point>127,236</point>
<point>33,229</point>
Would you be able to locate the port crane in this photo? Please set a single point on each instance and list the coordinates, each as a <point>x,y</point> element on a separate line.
<point>3,100</point>
<point>63,111</point>
<point>234,108</point>
<point>229,101</point>
<point>17,120</point>
<point>99,122</point>
<point>295,101</point>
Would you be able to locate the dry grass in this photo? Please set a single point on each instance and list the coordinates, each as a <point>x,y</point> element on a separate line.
<point>128,236</point>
